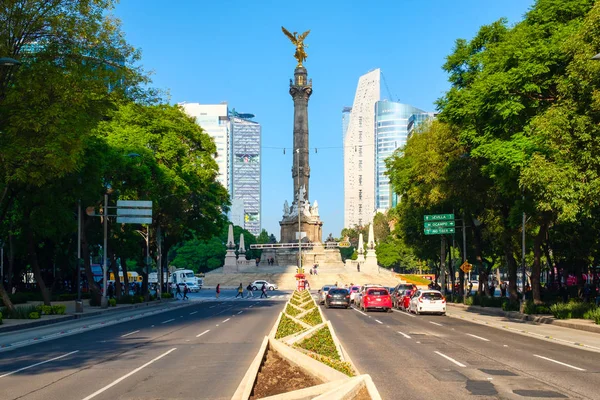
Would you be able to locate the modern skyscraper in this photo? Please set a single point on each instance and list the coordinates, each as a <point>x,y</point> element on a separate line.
<point>359,160</point>
<point>246,168</point>
<point>391,132</point>
<point>214,120</point>
<point>238,140</point>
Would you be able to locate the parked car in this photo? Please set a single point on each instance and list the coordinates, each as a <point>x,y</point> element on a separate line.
<point>376,298</point>
<point>323,293</point>
<point>428,301</point>
<point>257,285</point>
<point>353,293</point>
<point>337,297</point>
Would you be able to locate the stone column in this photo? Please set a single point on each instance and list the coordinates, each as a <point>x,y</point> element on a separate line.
<point>300,90</point>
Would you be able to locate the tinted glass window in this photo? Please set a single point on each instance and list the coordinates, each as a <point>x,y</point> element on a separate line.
<point>338,291</point>
<point>432,296</point>
<point>325,288</point>
<point>377,292</point>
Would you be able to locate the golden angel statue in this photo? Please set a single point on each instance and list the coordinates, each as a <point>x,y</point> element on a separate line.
<point>298,41</point>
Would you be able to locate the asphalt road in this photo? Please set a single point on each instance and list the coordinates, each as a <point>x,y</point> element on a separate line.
<point>438,357</point>
<point>196,352</point>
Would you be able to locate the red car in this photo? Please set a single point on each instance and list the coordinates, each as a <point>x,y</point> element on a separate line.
<point>376,298</point>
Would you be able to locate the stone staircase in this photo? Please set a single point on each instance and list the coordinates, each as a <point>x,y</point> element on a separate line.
<point>284,277</point>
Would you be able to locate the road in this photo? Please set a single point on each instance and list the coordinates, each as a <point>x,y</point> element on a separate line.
<point>198,351</point>
<point>437,357</point>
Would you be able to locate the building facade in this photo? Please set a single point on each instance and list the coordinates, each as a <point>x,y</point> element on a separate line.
<point>238,141</point>
<point>246,168</point>
<point>359,160</point>
<point>391,132</point>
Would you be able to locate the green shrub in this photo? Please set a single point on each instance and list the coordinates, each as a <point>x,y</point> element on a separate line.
<point>321,343</point>
<point>0,318</point>
<point>112,302</point>
<point>313,318</point>
<point>457,299</point>
<point>295,302</point>
<point>34,315</point>
<point>309,305</point>
<point>166,295</point>
<point>508,305</point>
<point>469,301</point>
<point>531,308</point>
<point>342,366</point>
<point>17,298</point>
<point>590,314</point>
<point>21,312</point>
<point>287,327</point>
<point>43,309</point>
<point>293,311</point>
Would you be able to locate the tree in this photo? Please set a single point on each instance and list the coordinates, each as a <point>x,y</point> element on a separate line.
<point>381,227</point>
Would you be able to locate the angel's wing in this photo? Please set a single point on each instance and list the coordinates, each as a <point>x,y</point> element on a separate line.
<point>304,35</point>
<point>288,34</point>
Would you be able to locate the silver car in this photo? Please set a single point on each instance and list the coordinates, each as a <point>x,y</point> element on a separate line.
<point>257,285</point>
<point>323,293</point>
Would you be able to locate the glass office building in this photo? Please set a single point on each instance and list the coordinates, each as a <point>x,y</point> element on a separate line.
<point>391,132</point>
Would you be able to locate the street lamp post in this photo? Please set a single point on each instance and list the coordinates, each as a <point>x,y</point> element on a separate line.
<point>1,262</point>
<point>104,300</point>
<point>79,304</point>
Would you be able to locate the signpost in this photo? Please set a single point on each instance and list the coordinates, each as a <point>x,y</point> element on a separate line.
<point>439,217</point>
<point>438,231</point>
<point>134,212</point>
<point>439,224</point>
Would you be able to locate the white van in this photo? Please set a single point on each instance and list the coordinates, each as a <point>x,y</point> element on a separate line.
<point>186,276</point>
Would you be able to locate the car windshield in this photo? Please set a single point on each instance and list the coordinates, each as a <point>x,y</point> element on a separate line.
<point>338,291</point>
<point>189,275</point>
<point>432,296</point>
<point>377,292</point>
<point>408,292</point>
<point>325,288</point>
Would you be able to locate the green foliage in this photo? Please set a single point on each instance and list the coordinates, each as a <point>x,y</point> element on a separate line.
<point>313,318</point>
<point>508,305</point>
<point>342,366</point>
<point>417,280</point>
<point>531,308</point>
<point>112,302</point>
<point>291,310</point>
<point>0,318</point>
<point>19,312</point>
<point>34,315</point>
<point>321,342</point>
<point>287,327</point>
<point>295,302</point>
<point>571,310</point>
<point>309,305</point>
<point>199,255</point>
<point>17,298</point>
<point>593,314</point>
<point>44,310</point>
<point>166,295</point>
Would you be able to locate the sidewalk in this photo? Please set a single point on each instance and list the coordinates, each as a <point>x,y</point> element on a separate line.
<point>575,332</point>
<point>9,325</point>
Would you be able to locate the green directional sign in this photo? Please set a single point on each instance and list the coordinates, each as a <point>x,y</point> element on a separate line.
<point>438,231</point>
<point>439,224</point>
<point>438,217</point>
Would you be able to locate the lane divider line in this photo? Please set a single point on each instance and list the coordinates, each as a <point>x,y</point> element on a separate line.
<point>169,320</point>
<point>240,312</point>
<point>225,320</point>
<point>357,310</point>
<point>192,313</point>
<point>450,359</point>
<point>130,333</point>
<point>435,323</point>
<point>478,337</point>
<point>379,321</point>
<point>105,388</point>
<point>403,313</point>
<point>404,334</point>
<point>557,362</point>
<point>200,334</point>
<point>40,363</point>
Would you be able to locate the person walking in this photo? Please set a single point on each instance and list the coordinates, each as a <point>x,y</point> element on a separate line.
<point>218,290</point>
<point>263,290</point>
<point>178,292</point>
<point>185,292</point>
<point>357,267</point>
<point>249,290</point>
<point>240,291</point>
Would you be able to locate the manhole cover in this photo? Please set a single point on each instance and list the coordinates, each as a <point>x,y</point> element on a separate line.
<point>481,388</point>
<point>548,394</point>
<point>497,372</point>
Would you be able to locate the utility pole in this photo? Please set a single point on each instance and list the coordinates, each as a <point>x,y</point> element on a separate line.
<point>104,300</point>
<point>443,264</point>
<point>79,304</point>
<point>523,278</point>
<point>159,262</point>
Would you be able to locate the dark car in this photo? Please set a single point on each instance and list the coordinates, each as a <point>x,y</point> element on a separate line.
<point>337,297</point>
<point>398,292</point>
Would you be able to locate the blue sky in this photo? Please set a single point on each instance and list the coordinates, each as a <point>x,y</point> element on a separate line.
<point>209,52</point>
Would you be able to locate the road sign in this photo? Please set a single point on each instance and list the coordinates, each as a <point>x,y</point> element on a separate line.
<point>439,224</point>
<point>438,217</point>
<point>438,231</point>
<point>466,267</point>
<point>134,212</point>
<point>344,244</point>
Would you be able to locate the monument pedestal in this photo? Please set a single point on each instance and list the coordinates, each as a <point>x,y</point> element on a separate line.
<point>230,265</point>
<point>312,228</point>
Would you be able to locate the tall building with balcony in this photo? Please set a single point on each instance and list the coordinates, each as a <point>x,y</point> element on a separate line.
<point>391,132</point>
<point>246,168</point>
<point>359,160</point>
<point>214,119</point>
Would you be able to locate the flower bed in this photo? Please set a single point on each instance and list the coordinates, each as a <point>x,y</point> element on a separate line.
<point>287,327</point>
<point>313,318</point>
<point>341,366</point>
<point>321,343</point>
<point>309,305</point>
<point>291,310</point>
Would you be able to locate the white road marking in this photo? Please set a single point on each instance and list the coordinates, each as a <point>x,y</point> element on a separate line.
<point>558,362</point>
<point>505,345</point>
<point>169,320</point>
<point>40,363</point>
<point>200,334</point>
<point>379,321</point>
<point>403,313</point>
<point>212,307</point>
<point>96,393</point>
<point>450,359</point>
<point>252,305</point>
<point>478,337</point>
<point>240,312</point>
<point>130,333</point>
<point>357,310</point>
<point>192,313</point>
<point>225,320</point>
<point>404,334</point>
<point>435,323</point>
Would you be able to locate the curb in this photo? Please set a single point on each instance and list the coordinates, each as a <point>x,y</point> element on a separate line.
<point>515,315</point>
<point>71,317</point>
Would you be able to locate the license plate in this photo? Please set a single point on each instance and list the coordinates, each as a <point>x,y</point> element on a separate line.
<point>378,299</point>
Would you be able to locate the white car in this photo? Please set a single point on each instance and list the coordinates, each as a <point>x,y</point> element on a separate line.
<point>323,293</point>
<point>428,301</point>
<point>354,290</point>
<point>257,285</point>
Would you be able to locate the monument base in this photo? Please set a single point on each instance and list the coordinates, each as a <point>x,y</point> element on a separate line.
<point>312,228</point>
<point>230,265</point>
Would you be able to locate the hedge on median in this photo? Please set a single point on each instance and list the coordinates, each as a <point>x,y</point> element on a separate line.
<point>313,318</point>
<point>291,310</point>
<point>287,327</point>
<point>321,342</point>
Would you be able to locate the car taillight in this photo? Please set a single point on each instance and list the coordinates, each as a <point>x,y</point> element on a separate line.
<point>420,299</point>
<point>443,299</point>
<point>347,296</point>
<point>328,295</point>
